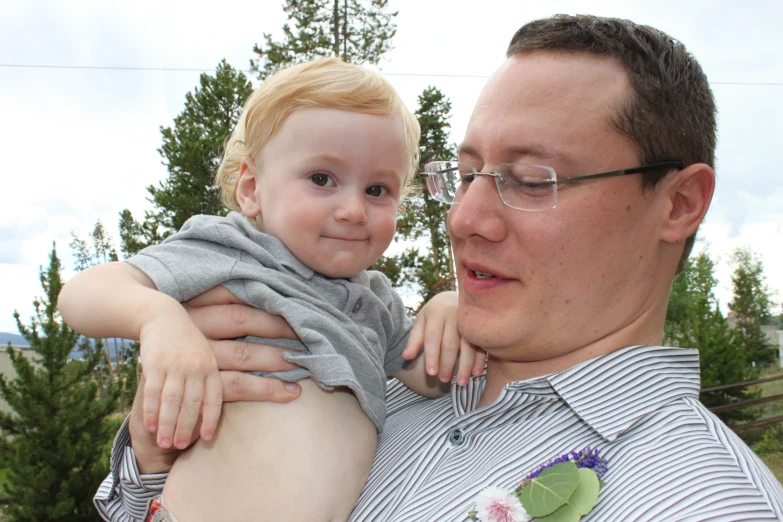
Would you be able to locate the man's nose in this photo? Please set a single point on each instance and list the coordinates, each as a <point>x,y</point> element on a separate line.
<point>480,211</point>
<point>352,209</point>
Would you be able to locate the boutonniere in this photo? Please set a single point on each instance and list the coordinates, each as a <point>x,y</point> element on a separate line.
<point>562,490</point>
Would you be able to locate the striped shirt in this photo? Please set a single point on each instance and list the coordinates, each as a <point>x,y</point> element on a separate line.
<point>668,457</point>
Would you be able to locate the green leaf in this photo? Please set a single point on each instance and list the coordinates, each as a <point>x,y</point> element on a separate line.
<point>550,490</point>
<point>586,495</point>
<point>564,514</point>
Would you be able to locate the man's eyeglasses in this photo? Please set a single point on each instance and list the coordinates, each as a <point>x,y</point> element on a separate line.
<point>523,187</point>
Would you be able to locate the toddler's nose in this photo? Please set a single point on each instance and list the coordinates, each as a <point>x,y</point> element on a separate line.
<point>352,209</point>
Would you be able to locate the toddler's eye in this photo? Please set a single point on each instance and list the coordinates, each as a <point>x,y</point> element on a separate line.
<point>376,191</point>
<point>322,180</point>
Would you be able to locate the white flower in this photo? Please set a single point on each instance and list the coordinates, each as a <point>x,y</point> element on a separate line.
<point>498,505</point>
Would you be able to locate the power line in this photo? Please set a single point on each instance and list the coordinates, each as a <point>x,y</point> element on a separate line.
<point>182,69</point>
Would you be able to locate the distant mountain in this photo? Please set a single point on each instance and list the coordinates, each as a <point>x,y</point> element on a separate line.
<point>18,340</point>
<point>15,339</point>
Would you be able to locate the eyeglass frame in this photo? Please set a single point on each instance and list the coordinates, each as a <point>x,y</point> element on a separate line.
<point>664,165</point>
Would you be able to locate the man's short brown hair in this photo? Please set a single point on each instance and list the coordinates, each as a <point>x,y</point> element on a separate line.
<point>670,114</point>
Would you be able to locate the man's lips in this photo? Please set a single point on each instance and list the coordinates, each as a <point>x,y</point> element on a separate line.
<point>481,271</point>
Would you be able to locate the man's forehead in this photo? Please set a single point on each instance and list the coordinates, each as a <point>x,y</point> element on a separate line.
<point>545,104</point>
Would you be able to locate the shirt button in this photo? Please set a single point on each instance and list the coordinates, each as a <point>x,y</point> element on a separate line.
<point>457,438</point>
<point>357,306</point>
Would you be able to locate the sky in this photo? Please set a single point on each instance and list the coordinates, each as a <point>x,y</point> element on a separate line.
<point>79,144</point>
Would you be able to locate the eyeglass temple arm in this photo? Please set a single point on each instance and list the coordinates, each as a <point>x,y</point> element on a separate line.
<point>636,170</point>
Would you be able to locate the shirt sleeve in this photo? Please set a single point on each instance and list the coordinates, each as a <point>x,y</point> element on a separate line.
<point>746,461</point>
<point>124,494</point>
<point>184,267</point>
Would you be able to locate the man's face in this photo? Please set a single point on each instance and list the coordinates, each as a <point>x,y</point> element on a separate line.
<point>569,276</point>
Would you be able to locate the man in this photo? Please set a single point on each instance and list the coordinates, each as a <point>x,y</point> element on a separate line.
<point>564,282</point>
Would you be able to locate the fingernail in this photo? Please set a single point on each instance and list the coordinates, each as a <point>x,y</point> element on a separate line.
<point>165,442</point>
<point>153,428</point>
<point>291,387</point>
<point>432,370</point>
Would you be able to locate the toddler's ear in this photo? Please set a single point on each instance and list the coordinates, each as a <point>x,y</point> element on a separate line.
<point>246,189</point>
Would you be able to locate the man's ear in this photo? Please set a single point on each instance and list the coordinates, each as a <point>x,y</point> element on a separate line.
<point>246,189</point>
<point>690,194</point>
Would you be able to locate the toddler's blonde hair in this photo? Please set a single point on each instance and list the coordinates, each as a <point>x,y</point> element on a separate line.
<point>324,82</point>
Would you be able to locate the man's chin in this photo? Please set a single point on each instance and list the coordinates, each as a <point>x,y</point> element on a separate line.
<point>485,334</point>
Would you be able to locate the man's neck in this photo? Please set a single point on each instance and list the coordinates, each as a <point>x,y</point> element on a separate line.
<point>501,372</point>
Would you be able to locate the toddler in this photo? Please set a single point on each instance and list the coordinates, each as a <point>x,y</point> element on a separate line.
<point>314,171</point>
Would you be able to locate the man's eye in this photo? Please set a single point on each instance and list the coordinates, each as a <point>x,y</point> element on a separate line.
<point>322,180</point>
<point>376,191</point>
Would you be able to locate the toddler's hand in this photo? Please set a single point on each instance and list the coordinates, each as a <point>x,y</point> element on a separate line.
<point>182,381</point>
<point>436,329</point>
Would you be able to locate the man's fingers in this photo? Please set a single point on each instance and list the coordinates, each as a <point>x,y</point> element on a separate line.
<point>238,386</point>
<point>228,321</point>
<point>214,296</point>
<point>249,357</point>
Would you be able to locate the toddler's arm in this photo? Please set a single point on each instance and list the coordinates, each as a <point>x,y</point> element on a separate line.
<point>118,300</point>
<point>436,329</point>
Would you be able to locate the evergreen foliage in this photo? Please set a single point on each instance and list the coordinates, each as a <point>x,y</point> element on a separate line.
<point>101,251</point>
<point>694,320</point>
<point>191,150</point>
<point>751,306</point>
<point>356,31</point>
<point>52,438</point>
<point>428,264</point>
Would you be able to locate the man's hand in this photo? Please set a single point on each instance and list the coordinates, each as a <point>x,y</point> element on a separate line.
<point>220,315</point>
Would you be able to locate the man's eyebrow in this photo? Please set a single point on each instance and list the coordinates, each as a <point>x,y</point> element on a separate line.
<point>535,151</point>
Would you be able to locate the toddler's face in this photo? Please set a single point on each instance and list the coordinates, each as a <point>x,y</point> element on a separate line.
<point>328,186</point>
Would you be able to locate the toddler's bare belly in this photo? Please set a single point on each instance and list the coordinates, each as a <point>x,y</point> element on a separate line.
<point>306,460</point>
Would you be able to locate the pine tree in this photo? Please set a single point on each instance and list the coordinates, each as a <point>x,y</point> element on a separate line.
<point>751,306</point>
<point>53,436</point>
<point>191,150</point>
<point>428,264</point>
<point>694,320</point>
<point>356,31</point>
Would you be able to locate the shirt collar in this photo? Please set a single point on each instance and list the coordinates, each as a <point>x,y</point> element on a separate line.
<point>610,393</point>
<point>274,246</point>
<point>613,392</point>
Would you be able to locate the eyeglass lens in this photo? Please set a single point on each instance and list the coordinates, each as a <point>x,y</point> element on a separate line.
<point>524,187</point>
